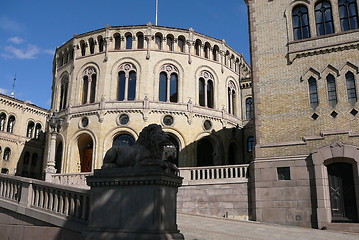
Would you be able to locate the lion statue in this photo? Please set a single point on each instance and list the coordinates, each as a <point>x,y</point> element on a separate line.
<point>147,151</point>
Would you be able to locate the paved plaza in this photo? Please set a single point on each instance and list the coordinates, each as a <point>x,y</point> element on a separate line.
<point>206,228</point>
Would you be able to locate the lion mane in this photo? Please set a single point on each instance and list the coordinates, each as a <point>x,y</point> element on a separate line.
<point>147,150</point>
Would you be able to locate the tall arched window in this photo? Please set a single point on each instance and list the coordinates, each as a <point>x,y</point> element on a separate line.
<point>197,47</point>
<point>215,53</point>
<point>351,88</point>
<point>117,38</point>
<point>206,89</point>
<point>332,90</point>
<point>140,40</point>
<point>26,158</point>
<point>58,157</point>
<point>37,130</point>
<point>180,43</point>
<point>324,18</point>
<point>300,22</point>
<point>232,98</point>
<point>348,12</point>
<point>11,124</point>
<point>249,108</point>
<point>128,41</point>
<point>100,43</point>
<point>83,47</point>
<point>89,85</point>
<point>250,144</point>
<point>207,49</point>
<point>168,88</point>
<point>127,82</point>
<point>205,152</point>
<point>2,121</point>
<point>7,153</point>
<point>30,129</point>
<point>92,46</point>
<point>158,41</point>
<point>63,92</point>
<point>313,93</point>
<point>170,42</point>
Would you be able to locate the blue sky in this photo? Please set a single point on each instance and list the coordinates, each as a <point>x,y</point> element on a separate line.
<point>30,31</point>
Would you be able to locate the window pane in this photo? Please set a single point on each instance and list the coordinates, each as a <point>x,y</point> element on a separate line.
<point>121,86</point>
<point>129,42</point>
<point>163,87</point>
<point>132,86</point>
<point>210,94</point>
<point>201,92</point>
<point>173,87</point>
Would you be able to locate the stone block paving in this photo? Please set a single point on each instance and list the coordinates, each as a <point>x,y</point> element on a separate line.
<point>208,228</point>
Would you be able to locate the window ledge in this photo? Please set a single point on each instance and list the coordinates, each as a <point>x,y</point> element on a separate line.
<point>323,44</point>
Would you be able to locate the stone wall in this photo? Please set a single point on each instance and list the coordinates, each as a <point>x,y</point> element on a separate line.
<point>220,200</point>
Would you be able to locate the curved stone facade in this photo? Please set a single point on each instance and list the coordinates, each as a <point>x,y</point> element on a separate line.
<point>116,80</point>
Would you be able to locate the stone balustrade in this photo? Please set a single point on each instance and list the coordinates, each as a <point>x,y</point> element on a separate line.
<point>39,199</point>
<point>191,175</point>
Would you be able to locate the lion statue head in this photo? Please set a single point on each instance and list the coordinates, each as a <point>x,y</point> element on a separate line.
<point>154,139</point>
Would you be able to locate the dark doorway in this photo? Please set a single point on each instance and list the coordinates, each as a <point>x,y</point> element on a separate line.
<point>204,153</point>
<point>342,193</point>
<point>58,157</point>
<point>85,145</point>
<point>171,151</point>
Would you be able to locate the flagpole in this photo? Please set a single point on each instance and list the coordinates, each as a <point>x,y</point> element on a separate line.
<point>156,11</point>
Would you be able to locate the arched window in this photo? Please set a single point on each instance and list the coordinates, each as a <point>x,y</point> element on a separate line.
<point>205,152</point>
<point>168,88</point>
<point>300,22</point>
<point>2,121</point>
<point>123,140</point>
<point>351,88</point>
<point>233,154</point>
<point>127,75</point>
<point>30,129</point>
<point>180,43</point>
<point>11,124</point>
<point>207,49</point>
<point>37,130</point>
<point>313,93</point>
<point>63,92</point>
<point>171,151</point>
<point>117,38</point>
<point>215,53</point>
<point>83,47</point>
<point>92,46</point>
<point>231,98</point>
<point>170,42</point>
<point>348,12</point>
<point>206,89</point>
<point>140,40</point>
<point>249,108</point>
<point>89,85</point>
<point>58,157</point>
<point>101,43</point>
<point>26,158</point>
<point>128,41</point>
<point>332,90</point>
<point>7,153</point>
<point>158,41</point>
<point>34,159</point>
<point>323,18</point>
<point>197,47</point>
<point>250,144</point>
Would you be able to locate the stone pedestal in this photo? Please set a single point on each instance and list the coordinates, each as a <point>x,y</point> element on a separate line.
<point>130,203</point>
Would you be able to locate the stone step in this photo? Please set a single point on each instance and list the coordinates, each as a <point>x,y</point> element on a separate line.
<point>344,227</point>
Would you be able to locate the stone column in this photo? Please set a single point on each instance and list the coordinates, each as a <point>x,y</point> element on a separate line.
<point>50,166</point>
<point>133,203</point>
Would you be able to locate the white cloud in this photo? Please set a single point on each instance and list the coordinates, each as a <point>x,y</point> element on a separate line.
<point>48,51</point>
<point>16,40</point>
<point>4,91</point>
<point>30,52</point>
<point>9,25</point>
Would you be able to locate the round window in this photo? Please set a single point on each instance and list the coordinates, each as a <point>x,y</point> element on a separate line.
<point>124,119</point>
<point>168,120</point>
<point>84,122</point>
<point>207,125</point>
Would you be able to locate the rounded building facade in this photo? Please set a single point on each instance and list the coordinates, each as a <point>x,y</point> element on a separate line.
<point>110,83</point>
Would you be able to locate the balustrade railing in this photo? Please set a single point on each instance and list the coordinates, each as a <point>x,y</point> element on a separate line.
<point>71,179</point>
<point>62,201</point>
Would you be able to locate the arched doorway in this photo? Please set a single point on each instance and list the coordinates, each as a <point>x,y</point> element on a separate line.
<point>123,140</point>
<point>171,151</point>
<point>58,157</point>
<point>85,145</point>
<point>342,192</point>
<point>204,152</point>
<point>233,154</point>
